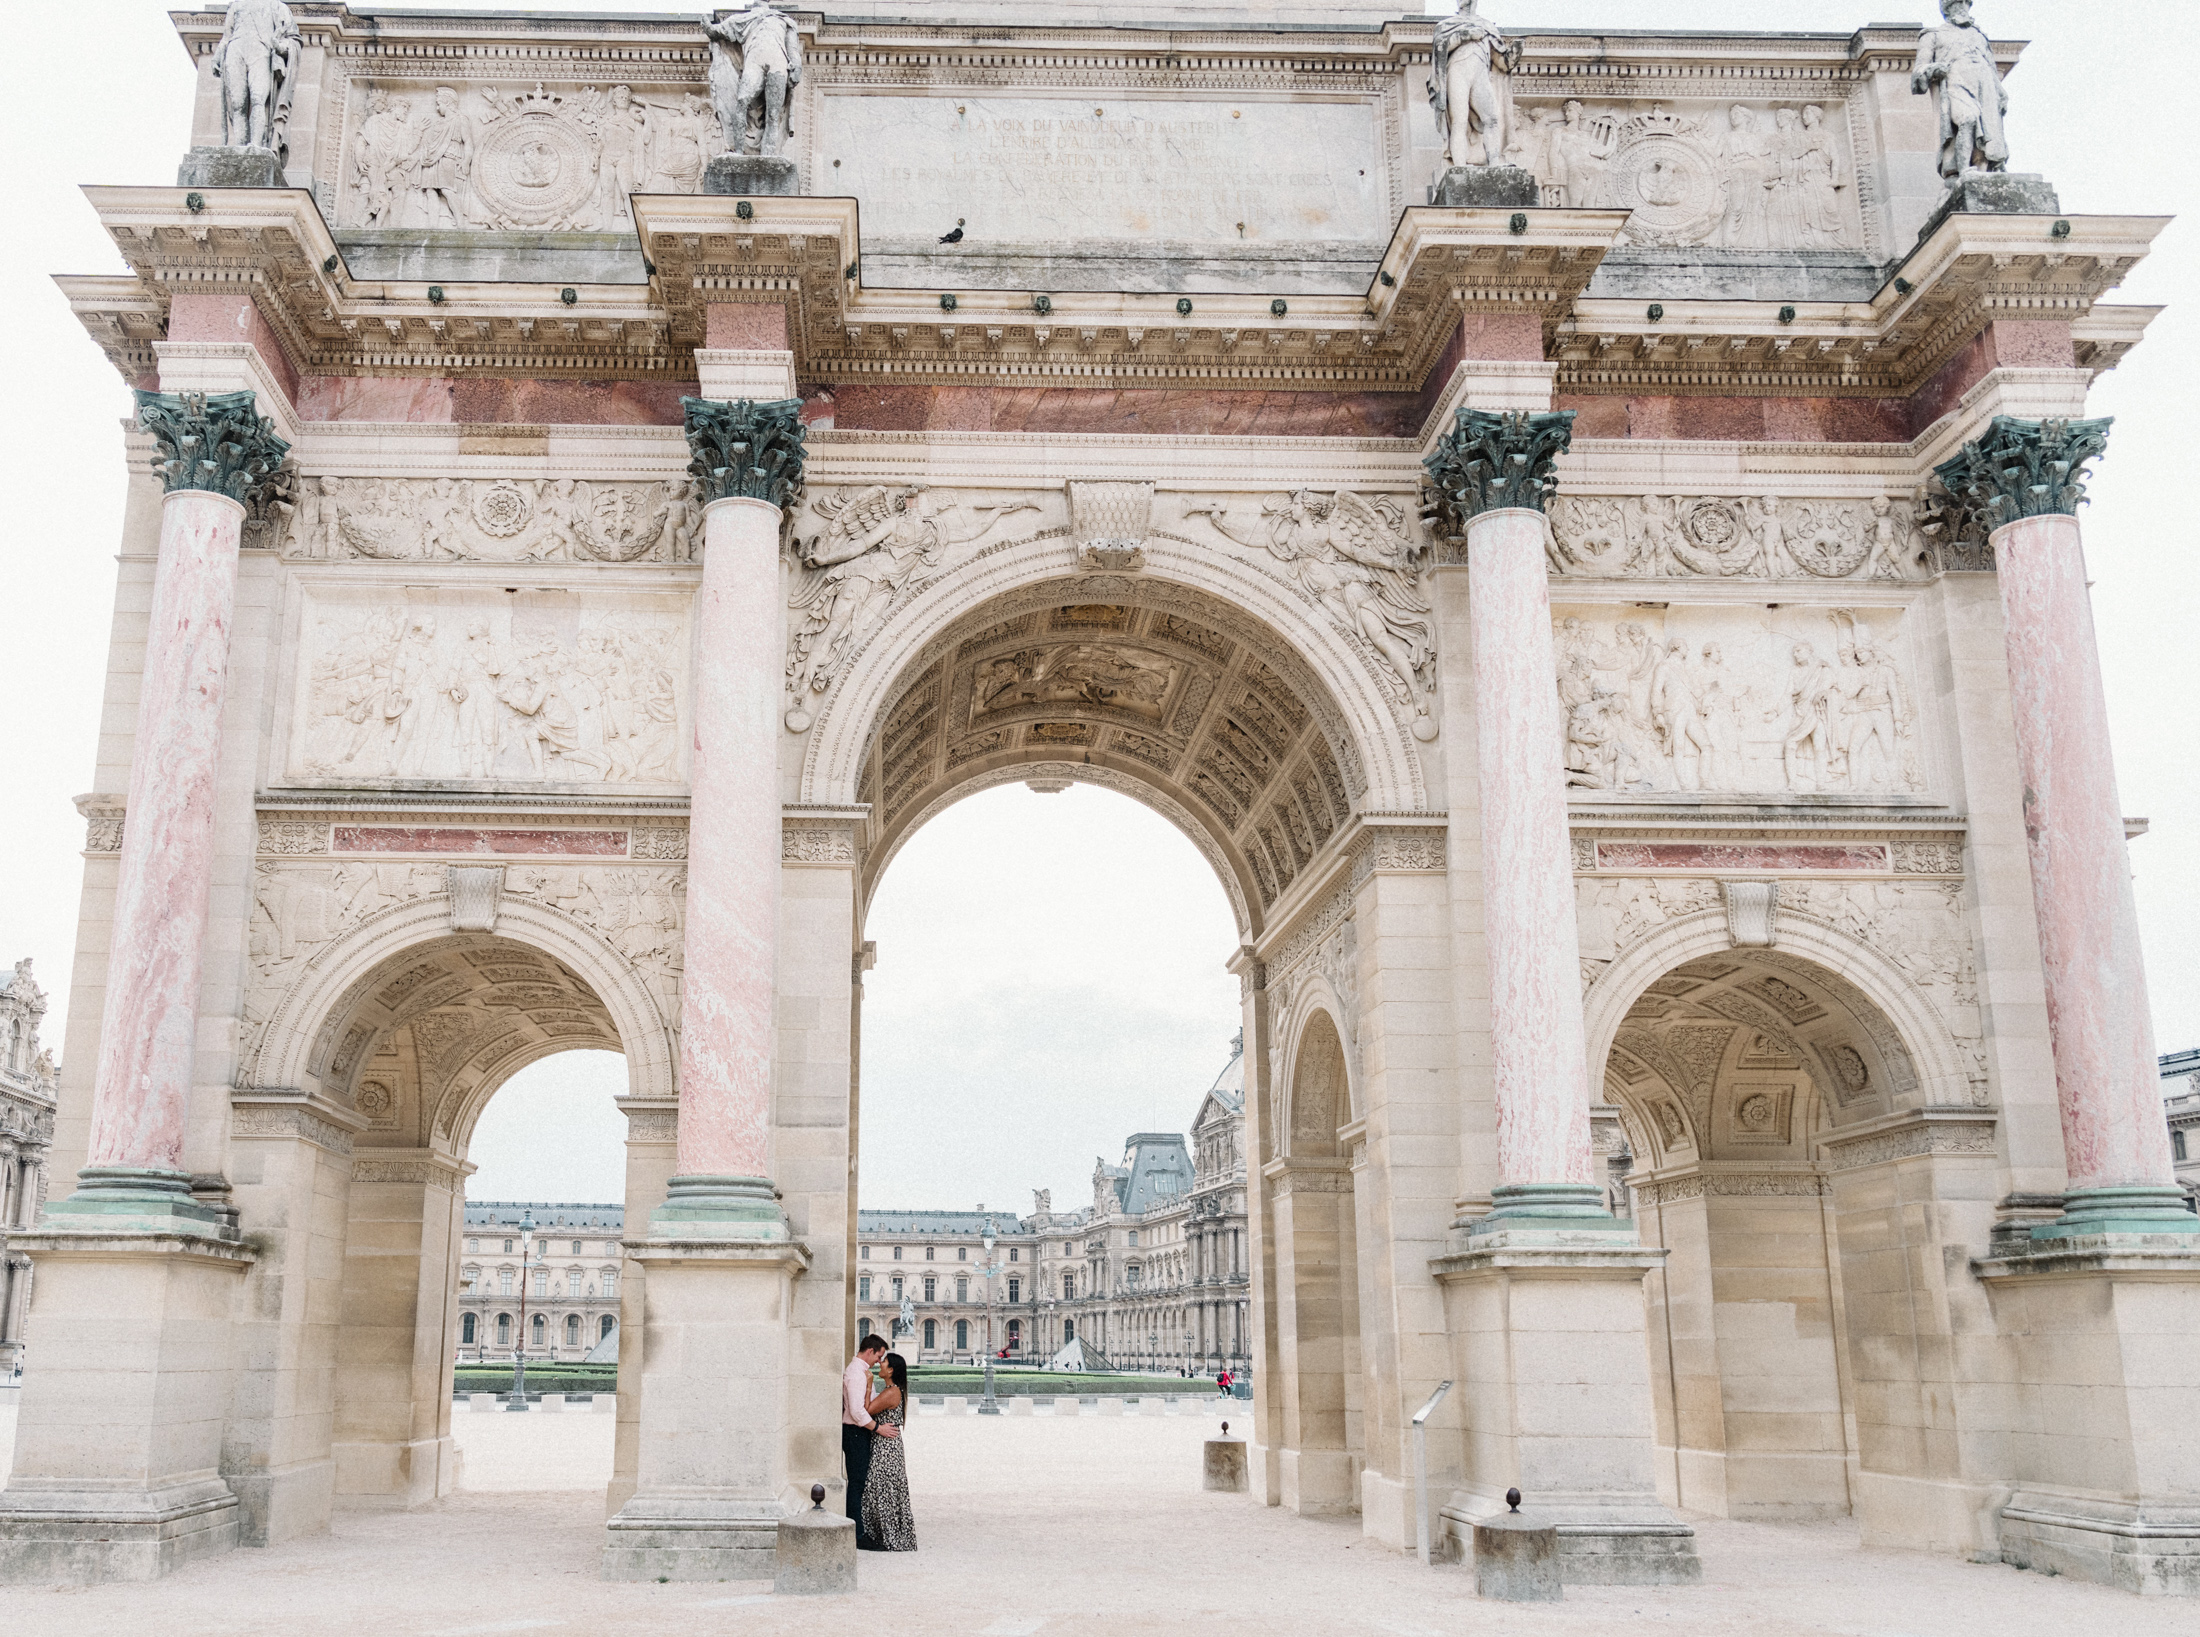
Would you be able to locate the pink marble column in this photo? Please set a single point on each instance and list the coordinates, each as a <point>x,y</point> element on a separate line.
<point>727,990</point>
<point>1538,1045</point>
<point>2097,1016</point>
<point>149,1025</point>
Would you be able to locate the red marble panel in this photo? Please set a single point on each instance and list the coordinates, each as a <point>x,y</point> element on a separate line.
<point>415,399</point>
<point>1153,411</point>
<point>231,316</point>
<point>745,326</point>
<point>570,403</point>
<point>395,838</point>
<point>1718,855</point>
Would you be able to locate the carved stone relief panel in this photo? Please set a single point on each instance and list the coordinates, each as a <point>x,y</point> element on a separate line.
<point>502,520</point>
<point>861,553</point>
<point>518,157</point>
<point>1754,537</point>
<point>1792,699</point>
<point>1743,175</point>
<point>536,688</point>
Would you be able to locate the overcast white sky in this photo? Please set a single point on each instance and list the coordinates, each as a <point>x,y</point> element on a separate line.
<point>1050,967</point>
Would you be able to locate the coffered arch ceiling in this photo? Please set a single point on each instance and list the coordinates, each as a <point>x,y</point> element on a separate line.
<point>1163,693</point>
<point>1752,1055</point>
<point>419,1044</point>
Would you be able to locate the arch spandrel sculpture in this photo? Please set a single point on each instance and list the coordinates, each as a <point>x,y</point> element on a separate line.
<point>1628,781</point>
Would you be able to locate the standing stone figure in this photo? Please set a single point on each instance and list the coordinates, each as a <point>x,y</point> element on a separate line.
<point>1955,63</point>
<point>257,63</point>
<point>1472,88</point>
<point>755,64</point>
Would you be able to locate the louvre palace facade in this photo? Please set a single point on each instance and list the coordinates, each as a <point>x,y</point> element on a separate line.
<point>1580,529</point>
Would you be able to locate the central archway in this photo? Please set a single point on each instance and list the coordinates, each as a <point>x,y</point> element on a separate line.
<point>1165,694</point>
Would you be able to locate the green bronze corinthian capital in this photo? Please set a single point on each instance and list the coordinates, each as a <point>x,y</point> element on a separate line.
<point>742,447</point>
<point>2022,469</point>
<point>1489,461</point>
<point>216,441</point>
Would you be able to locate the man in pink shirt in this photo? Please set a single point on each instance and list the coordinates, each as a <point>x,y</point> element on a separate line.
<point>857,1429</point>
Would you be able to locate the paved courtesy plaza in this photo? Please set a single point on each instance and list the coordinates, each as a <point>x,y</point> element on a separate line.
<point>1030,1528</point>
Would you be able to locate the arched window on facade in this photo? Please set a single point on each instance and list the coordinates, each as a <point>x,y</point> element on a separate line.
<point>931,1334</point>
<point>541,1336</point>
<point>573,1327</point>
<point>1015,1335</point>
<point>466,1329</point>
<point>962,1335</point>
<point>603,1329</point>
<point>504,1329</point>
<point>863,1329</point>
<point>1069,1331</point>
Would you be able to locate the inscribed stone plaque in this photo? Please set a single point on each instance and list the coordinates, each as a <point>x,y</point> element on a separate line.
<point>1102,166</point>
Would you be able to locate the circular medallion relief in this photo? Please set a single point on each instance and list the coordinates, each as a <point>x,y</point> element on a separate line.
<point>1712,525</point>
<point>532,170</point>
<point>502,509</point>
<point>1669,182</point>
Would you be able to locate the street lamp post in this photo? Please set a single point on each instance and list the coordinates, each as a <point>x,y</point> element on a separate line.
<point>989,1405</point>
<point>518,1398</point>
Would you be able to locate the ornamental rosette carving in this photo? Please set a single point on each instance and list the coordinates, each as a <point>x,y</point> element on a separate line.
<point>1489,461</point>
<point>218,442</point>
<point>741,447</point>
<point>2019,469</point>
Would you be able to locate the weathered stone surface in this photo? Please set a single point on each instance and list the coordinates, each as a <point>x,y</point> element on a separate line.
<point>750,174</point>
<point>229,168</point>
<point>1516,1559</point>
<point>1996,193</point>
<point>1487,187</point>
<point>1223,1466</point>
<point>816,1555</point>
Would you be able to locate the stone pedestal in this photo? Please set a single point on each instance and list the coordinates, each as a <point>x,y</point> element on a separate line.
<point>711,1462</point>
<point>1223,1466</point>
<point>1516,1559</point>
<point>1549,1352</point>
<point>752,175</point>
<point>816,1554</point>
<point>1995,193</point>
<point>119,1435</point>
<point>2107,1480</point>
<point>230,168</point>
<point>1486,187</point>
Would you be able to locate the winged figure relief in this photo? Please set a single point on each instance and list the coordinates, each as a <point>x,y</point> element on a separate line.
<point>1355,557</point>
<point>875,545</point>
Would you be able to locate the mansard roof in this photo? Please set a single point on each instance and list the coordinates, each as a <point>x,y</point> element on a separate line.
<point>968,1224</point>
<point>505,1213</point>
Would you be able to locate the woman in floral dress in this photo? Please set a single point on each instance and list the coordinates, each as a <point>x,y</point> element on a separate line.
<point>888,1523</point>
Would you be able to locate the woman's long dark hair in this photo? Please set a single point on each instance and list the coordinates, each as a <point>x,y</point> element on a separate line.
<point>897,1367</point>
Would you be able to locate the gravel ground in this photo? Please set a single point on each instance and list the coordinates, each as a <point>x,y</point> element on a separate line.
<point>1029,1527</point>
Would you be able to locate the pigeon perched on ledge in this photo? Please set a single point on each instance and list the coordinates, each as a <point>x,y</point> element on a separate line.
<point>956,236</point>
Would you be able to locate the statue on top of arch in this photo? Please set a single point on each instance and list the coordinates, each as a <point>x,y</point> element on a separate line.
<point>257,64</point>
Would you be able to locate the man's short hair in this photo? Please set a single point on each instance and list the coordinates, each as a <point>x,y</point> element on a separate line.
<point>873,1343</point>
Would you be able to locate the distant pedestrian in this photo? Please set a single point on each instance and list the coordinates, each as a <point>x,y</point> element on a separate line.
<point>1222,1381</point>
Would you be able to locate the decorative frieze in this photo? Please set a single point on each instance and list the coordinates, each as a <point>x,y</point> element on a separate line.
<point>289,1120</point>
<point>494,520</point>
<point>1750,537</point>
<point>1958,1131</point>
<point>817,841</point>
<point>1655,1191</point>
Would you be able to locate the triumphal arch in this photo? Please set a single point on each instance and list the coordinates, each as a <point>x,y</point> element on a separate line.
<point>1580,531</point>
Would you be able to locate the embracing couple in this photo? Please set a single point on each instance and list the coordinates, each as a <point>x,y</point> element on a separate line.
<point>874,1400</point>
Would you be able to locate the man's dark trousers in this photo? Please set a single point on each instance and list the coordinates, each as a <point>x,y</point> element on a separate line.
<point>855,1451</point>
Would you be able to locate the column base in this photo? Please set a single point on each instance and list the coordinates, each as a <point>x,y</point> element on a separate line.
<point>2150,1549</point>
<point>1548,1215</point>
<point>139,1199</point>
<point>2145,1211</point>
<point>712,1207</point>
<point>95,1537</point>
<point>668,1538</point>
